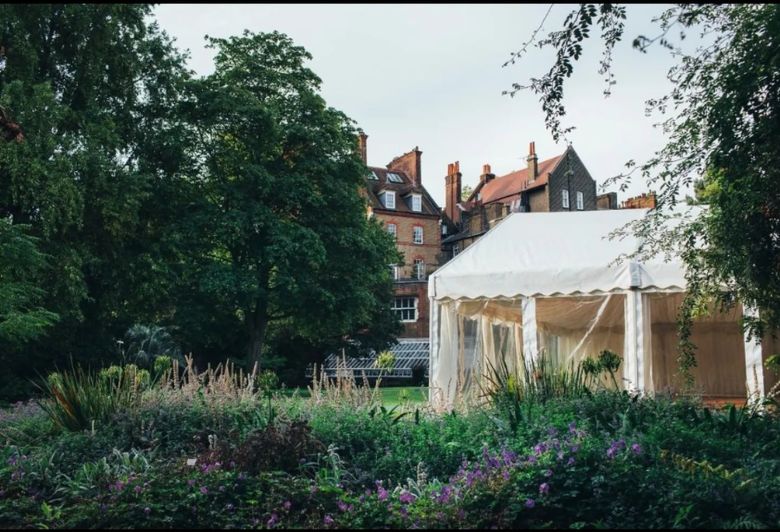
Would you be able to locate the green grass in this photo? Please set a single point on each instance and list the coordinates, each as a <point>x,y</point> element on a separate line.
<point>390,395</point>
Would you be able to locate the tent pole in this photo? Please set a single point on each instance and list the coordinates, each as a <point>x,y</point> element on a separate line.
<point>636,329</point>
<point>754,362</point>
<point>530,342</point>
<point>433,346</point>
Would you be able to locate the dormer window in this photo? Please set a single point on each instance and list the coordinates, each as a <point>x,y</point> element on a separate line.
<point>416,202</point>
<point>372,176</point>
<point>394,178</point>
<point>388,199</point>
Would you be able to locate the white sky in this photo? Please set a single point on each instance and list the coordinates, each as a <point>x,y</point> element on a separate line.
<point>431,76</point>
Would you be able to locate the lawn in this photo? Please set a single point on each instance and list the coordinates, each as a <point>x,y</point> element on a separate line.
<point>391,396</point>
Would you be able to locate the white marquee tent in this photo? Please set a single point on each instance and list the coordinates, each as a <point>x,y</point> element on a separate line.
<point>548,283</point>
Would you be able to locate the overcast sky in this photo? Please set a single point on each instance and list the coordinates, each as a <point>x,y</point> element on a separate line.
<point>431,76</point>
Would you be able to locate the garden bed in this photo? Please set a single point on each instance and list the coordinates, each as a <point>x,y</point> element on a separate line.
<point>206,454</point>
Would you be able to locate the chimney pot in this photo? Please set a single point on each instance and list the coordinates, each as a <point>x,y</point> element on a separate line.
<point>533,169</point>
<point>485,168</point>
<point>362,146</point>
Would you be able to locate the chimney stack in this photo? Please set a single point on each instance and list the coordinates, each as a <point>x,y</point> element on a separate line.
<point>453,191</point>
<point>487,175</point>
<point>362,137</point>
<point>533,167</point>
<point>410,164</point>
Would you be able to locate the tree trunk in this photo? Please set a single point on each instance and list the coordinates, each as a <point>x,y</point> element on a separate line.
<point>257,325</point>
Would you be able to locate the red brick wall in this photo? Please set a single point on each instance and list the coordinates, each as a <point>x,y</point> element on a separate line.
<point>426,251</point>
<point>419,289</point>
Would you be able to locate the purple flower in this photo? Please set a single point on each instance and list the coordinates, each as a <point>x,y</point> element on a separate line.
<point>403,511</point>
<point>530,503</point>
<point>273,520</point>
<point>552,431</point>
<point>406,497</point>
<point>575,447</point>
<point>508,456</point>
<point>328,520</point>
<point>229,507</point>
<point>138,489</point>
<point>544,488</point>
<point>191,482</point>
<point>204,490</point>
<point>636,449</point>
<point>570,462</point>
<point>548,473</point>
<point>287,505</point>
<point>343,506</point>
<point>539,448</point>
<point>147,510</point>
<point>531,459</point>
<point>573,427</point>
<point>611,452</point>
<point>381,493</point>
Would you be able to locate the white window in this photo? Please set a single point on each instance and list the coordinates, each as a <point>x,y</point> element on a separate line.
<point>565,199</point>
<point>394,178</point>
<point>580,201</point>
<point>417,235</point>
<point>444,229</point>
<point>419,268</point>
<point>372,176</point>
<point>393,230</point>
<point>416,203</point>
<point>389,199</point>
<point>396,271</point>
<point>405,308</point>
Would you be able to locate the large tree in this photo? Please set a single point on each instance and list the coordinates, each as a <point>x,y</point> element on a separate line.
<point>280,236</point>
<point>91,88</point>
<point>722,121</point>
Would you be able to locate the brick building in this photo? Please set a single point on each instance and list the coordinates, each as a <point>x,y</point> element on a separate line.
<point>398,199</point>
<point>558,184</point>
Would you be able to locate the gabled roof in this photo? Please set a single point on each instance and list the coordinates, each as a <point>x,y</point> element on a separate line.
<point>515,182</point>
<point>403,189</point>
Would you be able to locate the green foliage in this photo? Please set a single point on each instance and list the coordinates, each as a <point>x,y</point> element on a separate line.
<point>279,222</point>
<point>147,343</point>
<point>93,89</point>
<point>21,319</point>
<point>78,400</point>
<point>720,119</point>
<point>600,460</point>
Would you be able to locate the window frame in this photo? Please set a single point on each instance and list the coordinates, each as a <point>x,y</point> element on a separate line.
<point>565,200</point>
<point>416,202</point>
<point>414,235</point>
<point>420,276</point>
<point>400,310</point>
<point>388,194</point>
<point>394,231</point>
<point>580,201</point>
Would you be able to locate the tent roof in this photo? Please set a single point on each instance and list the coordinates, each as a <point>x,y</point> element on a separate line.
<point>550,253</point>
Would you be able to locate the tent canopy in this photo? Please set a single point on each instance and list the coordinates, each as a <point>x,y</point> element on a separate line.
<point>541,254</point>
